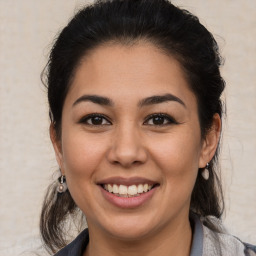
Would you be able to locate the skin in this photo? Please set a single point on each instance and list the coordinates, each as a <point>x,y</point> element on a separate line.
<point>129,143</point>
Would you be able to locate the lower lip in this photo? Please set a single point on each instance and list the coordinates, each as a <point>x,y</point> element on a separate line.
<point>128,202</point>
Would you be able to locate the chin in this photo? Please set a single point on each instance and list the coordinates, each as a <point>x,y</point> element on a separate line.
<point>130,230</point>
<point>130,234</point>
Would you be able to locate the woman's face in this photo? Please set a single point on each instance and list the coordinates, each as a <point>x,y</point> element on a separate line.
<point>131,144</point>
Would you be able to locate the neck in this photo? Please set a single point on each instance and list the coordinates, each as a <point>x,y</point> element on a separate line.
<point>174,240</point>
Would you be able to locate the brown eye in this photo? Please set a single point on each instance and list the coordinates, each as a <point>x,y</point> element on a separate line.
<point>159,119</point>
<point>95,119</point>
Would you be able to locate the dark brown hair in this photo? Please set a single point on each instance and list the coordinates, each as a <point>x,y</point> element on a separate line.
<point>173,30</point>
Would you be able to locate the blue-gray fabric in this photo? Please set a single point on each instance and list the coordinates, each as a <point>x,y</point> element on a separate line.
<point>77,247</point>
<point>197,244</point>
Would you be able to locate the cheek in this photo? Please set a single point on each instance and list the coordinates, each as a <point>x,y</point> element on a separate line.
<point>82,156</point>
<point>81,153</point>
<point>177,155</point>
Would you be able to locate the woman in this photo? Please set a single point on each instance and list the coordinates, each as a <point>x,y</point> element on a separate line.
<point>134,91</point>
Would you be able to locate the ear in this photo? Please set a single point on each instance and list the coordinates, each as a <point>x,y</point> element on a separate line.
<point>56,142</point>
<point>210,142</point>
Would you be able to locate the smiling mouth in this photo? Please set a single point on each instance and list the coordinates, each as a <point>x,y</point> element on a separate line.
<point>128,191</point>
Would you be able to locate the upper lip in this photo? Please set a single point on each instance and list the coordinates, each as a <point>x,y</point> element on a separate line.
<point>126,181</point>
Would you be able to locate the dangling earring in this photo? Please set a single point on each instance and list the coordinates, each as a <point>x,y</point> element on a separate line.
<point>205,173</point>
<point>62,186</point>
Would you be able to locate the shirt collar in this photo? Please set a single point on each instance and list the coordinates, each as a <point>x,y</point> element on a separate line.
<point>197,242</point>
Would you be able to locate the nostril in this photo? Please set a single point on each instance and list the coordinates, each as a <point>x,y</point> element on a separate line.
<point>127,153</point>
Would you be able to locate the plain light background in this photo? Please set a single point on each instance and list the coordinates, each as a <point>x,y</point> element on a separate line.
<point>27,162</point>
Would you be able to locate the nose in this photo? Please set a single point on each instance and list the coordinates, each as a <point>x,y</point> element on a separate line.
<point>127,148</point>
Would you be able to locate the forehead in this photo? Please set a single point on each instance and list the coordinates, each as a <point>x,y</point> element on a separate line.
<point>121,71</point>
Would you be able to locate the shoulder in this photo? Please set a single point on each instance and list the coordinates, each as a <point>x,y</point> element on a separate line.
<point>76,247</point>
<point>251,249</point>
<point>225,244</point>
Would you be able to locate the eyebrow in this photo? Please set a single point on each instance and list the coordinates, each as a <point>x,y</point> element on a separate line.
<point>95,99</point>
<point>104,101</point>
<point>157,99</point>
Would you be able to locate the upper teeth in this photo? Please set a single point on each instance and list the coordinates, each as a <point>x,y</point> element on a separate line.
<point>127,190</point>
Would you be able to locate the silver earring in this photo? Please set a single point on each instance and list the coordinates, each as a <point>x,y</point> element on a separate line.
<point>205,173</point>
<point>62,186</point>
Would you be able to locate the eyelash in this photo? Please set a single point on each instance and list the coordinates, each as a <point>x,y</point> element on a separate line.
<point>170,120</point>
<point>166,117</point>
<point>85,119</point>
